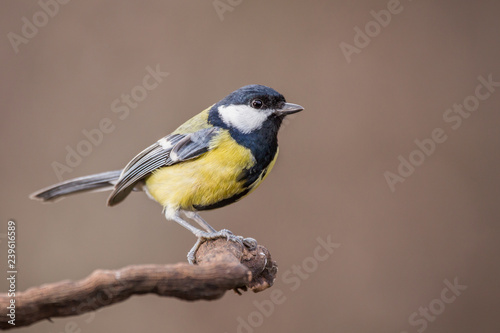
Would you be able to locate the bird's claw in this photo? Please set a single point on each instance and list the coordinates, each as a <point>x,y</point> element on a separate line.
<point>249,243</point>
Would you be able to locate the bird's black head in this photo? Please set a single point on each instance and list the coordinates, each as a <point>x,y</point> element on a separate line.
<point>256,96</point>
<point>251,108</point>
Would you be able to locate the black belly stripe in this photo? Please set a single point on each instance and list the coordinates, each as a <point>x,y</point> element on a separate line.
<point>223,202</point>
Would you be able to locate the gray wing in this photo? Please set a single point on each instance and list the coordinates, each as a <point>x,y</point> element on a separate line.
<point>167,151</point>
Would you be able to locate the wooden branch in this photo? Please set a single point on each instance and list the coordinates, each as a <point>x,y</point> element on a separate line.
<point>222,265</point>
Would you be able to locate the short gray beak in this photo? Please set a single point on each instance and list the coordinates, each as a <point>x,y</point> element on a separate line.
<point>289,108</point>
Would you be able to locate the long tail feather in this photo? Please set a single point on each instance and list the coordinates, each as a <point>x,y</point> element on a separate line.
<point>98,182</point>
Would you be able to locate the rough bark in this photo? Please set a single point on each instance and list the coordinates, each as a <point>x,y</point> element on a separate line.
<point>221,265</point>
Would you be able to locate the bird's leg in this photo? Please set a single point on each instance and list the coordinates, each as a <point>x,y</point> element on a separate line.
<point>204,224</point>
<point>210,233</point>
<point>175,217</point>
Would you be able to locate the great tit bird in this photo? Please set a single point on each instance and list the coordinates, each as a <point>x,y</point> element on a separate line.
<point>212,160</point>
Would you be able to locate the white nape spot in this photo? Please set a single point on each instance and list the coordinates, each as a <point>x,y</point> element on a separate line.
<point>165,144</point>
<point>117,275</point>
<point>243,117</point>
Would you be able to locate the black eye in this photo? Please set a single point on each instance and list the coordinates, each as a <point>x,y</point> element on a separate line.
<point>257,104</point>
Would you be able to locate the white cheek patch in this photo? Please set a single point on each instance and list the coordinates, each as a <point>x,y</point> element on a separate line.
<point>243,117</point>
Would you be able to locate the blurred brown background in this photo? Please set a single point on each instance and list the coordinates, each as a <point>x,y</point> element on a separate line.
<point>396,248</point>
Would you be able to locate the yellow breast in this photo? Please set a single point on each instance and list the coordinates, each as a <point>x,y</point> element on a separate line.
<point>203,181</point>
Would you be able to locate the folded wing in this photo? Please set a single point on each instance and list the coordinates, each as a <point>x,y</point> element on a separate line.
<point>170,150</point>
